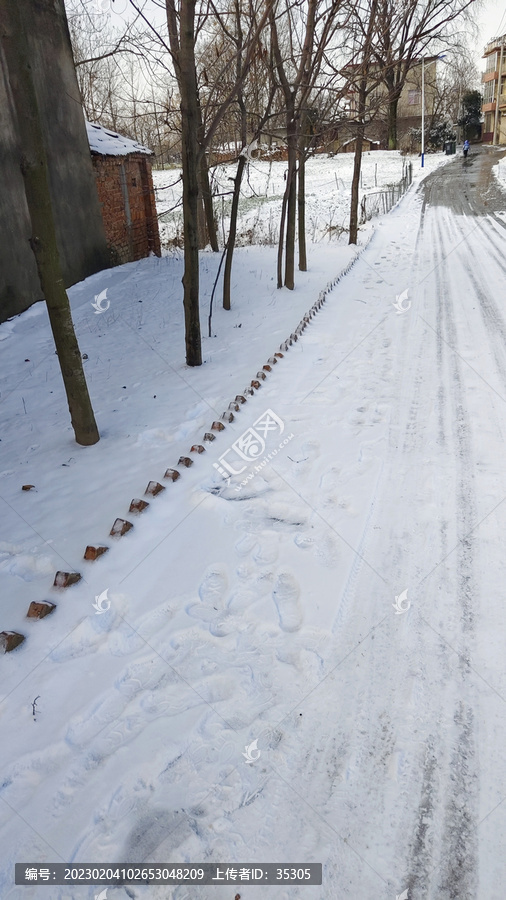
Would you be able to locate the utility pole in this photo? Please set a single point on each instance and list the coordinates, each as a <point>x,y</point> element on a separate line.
<point>458,127</point>
<point>496,121</point>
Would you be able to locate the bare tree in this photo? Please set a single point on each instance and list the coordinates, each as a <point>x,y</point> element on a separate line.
<point>363,24</point>
<point>406,31</point>
<point>100,52</point>
<point>238,40</point>
<point>196,140</point>
<point>299,47</point>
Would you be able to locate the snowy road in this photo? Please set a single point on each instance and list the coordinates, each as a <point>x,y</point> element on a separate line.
<point>278,612</point>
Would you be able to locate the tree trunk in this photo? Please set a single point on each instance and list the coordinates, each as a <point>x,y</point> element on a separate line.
<point>189,132</point>
<point>359,141</point>
<point>359,138</point>
<point>201,221</point>
<point>207,199</point>
<point>357,164</point>
<point>238,176</point>
<point>392,123</point>
<point>43,241</point>
<point>291,209</point>
<point>301,194</point>
<point>281,240</point>
<point>301,207</point>
<point>232,232</point>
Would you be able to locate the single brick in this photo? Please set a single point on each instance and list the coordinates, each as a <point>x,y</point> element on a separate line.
<point>154,488</point>
<point>40,610</point>
<point>120,527</point>
<point>240,399</point>
<point>94,552</point>
<point>209,437</point>
<point>173,474</point>
<point>217,426</point>
<point>197,448</point>
<point>9,640</point>
<point>66,579</point>
<point>185,461</point>
<point>228,416</point>
<point>138,506</point>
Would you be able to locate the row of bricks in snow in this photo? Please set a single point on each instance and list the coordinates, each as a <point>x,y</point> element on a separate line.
<point>9,640</point>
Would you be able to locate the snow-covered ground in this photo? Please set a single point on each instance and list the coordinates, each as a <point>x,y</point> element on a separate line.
<point>500,171</point>
<point>342,608</point>
<point>328,181</point>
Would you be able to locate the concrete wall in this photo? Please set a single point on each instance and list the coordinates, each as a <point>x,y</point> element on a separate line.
<point>80,231</point>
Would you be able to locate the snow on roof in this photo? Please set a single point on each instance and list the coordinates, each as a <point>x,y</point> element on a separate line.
<point>352,140</point>
<point>108,143</point>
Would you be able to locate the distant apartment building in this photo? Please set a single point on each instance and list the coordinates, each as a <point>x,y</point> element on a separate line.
<point>494,92</point>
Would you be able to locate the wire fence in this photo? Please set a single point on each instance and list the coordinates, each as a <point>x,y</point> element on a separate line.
<point>377,203</point>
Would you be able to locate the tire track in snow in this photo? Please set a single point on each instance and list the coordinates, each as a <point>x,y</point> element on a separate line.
<point>494,321</point>
<point>439,821</point>
<point>457,871</point>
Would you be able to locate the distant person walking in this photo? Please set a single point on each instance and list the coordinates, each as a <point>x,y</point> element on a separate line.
<point>466,148</point>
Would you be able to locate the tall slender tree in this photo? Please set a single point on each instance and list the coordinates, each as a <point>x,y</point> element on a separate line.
<point>364,86</point>
<point>299,47</point>
<point>182,42</point>
<point>182,38</point>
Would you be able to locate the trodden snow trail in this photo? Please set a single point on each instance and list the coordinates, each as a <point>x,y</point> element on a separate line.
<point>270,614</point>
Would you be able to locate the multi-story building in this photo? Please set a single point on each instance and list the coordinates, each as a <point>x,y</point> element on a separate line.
<point>494,92</point>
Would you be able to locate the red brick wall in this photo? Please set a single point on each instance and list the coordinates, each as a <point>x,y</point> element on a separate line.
<point>127,199</point>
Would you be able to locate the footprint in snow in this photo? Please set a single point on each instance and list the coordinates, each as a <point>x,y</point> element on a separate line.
<point>210,609</point>
<point>213,586</point>
<point>286,594</point>
<point>304,541</point>
<point>265,553</point>
<point>245,544</point>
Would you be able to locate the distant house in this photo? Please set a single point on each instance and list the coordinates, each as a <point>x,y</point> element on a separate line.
<point>349,146</point>
<point>126,195</point>
<point>494,92</point>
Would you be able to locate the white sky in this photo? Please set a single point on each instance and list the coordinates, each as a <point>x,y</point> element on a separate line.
<point>491,20</point>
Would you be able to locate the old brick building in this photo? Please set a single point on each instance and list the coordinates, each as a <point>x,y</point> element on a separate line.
<point>125,192</point>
